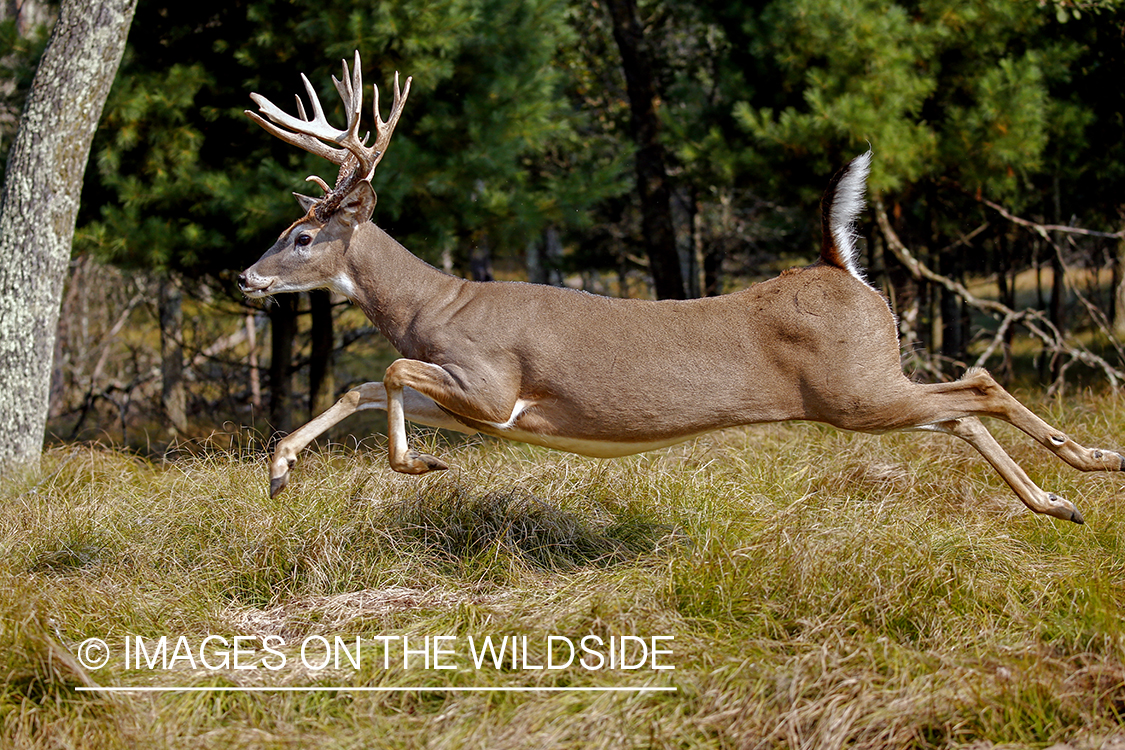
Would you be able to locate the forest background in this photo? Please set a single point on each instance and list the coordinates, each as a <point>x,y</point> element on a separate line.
<point>534,131</point>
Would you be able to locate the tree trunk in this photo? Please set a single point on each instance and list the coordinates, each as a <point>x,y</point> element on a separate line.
<point>533,262</point>
<point>1007,287</point>
<point>952,347</point>
<point>480,258</point>
<point>255,375</point>
<point>544,258</point>
<point>322,384</point>
<point>713,256</point>
<point>283,331</point>
<point>695,281</point>
<point>172,395</point>
<point>1058,292</point>
<point>39,205</point>
<point>652,175</point>
<point>1058,284</point>
<point>1119,290</point>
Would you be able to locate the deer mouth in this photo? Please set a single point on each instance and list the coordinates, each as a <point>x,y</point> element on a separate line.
<point>254,287</point>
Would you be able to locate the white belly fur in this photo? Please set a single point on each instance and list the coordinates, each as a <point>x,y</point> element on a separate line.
<point>507,430</point>
<point>594,448</point>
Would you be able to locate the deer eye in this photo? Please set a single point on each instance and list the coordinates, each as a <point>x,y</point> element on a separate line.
<point>303,239</point>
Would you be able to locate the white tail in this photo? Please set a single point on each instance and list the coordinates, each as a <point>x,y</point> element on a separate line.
<point>842,205</point>
<point>611,377</point>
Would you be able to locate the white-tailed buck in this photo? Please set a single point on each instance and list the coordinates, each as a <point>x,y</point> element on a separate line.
<point>612,377</point>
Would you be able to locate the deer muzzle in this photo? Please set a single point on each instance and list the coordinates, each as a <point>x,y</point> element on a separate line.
<point>253,285</point>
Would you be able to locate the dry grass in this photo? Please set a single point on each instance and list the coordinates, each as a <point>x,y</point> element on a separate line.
<point>823,589</point>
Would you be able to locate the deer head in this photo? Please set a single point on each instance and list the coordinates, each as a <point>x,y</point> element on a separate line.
<point>308,255</point>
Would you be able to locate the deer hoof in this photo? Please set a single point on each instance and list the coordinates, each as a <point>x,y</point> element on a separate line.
<point>277,484</point>
<point>433,463</point>
<point>419,463</point>
<point>1064,509</point>
<point>1108,460</point>
<point>279,473</point>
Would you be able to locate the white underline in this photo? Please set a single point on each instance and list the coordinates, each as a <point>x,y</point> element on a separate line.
<point>369,689</point>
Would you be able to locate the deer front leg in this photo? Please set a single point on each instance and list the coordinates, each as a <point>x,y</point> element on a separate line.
<point>419,408</point>
<point>448,392</point>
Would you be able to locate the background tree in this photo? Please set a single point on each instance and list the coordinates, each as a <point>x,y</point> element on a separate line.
<point>652,174</point>
<point>40,202</point>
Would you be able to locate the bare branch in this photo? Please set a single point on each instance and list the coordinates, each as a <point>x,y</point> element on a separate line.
<point>920,270</point>
<point>107,340</point>
<point>1042,229</point>
<point>1035,321</point>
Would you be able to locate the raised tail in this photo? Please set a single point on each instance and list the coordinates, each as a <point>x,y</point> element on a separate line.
<point>841,204</point>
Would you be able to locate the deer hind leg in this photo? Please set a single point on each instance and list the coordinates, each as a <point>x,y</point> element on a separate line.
<point>416,407</point>
<point>953,408</point>
<point>977,393</point>
<point>975,434</point>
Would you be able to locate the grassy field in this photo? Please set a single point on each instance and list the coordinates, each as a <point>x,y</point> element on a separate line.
<point>801,587</point>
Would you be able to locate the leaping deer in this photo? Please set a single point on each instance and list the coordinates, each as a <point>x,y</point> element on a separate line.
<point>612,377</point>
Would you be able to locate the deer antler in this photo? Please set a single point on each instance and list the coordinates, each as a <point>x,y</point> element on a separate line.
<point>357,161</point>
<point>384,129</point>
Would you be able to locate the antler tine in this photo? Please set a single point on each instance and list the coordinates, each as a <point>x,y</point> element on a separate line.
<point>319,182</point>
<point>316,126</point>
<point>300,140</point>
<point>350,88</point>
<point>346,89</point>
<point>319,121</point>
<point>304,131</point>
<point>384,129</point>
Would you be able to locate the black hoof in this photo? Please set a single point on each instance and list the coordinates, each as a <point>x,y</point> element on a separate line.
<point>426,461</point>
<point>277,484</point>
<point>435,464</point>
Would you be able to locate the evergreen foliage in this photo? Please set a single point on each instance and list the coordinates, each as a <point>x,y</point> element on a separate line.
<point>186,182</point>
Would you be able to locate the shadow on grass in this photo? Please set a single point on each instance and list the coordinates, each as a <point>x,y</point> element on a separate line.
<point>67,558</point>
<point>461,525</point>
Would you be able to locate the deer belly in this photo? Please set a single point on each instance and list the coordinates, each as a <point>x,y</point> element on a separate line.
<point>532,427</point>
<point>584,446</point>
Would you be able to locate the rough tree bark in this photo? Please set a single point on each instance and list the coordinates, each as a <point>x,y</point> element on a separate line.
<point>39,204</point>
<point>652,174</point>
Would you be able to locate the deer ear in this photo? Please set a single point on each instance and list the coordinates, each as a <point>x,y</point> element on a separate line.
<point>358,206</point>
<point>306,202</point>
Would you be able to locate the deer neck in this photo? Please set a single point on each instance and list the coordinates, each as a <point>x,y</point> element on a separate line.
<point>391,285</point>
